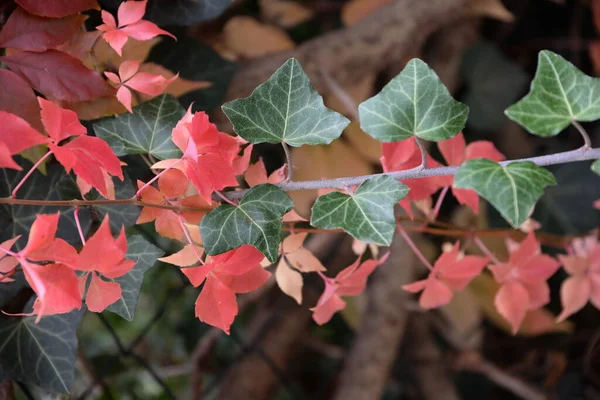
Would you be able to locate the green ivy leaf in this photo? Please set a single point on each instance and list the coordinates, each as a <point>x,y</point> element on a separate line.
<point>255,221</point>
<point>367,215</point>
<point>42,354</point>
<point>286,108</point>
<point>145,253</point>
<point>146,131</point>
<point>513,190</point>
<point>414,103</point>
<point>560,93</point>
<point>596,167</point>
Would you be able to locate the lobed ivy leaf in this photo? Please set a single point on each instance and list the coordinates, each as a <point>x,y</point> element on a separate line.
<point>42,354</point>
<point>146,131</point>
<point>255,221</point>
<point>145,253</point>
<point>560,94</point>
<point>596,167</point>
<point>414,103</point>
<point>513,190</point>
<point>367,215</point>
<point>286,108</point>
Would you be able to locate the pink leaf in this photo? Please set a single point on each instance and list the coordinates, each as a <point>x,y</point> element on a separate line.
<point>435,294</point>
<point>323,313</point>
<point>511,302</point>
<point>130,15</point>
<point>575,292</point>
<point>131,11</point>
<point>185,257</point>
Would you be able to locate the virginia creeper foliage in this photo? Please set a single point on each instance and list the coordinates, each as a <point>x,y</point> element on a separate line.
<point>233,221</point>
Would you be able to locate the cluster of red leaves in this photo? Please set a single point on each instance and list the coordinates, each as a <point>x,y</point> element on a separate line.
<point>50,264</point>
<point>210,158</point>
<point>90,158</point>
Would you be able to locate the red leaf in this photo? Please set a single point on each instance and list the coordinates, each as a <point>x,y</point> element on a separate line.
<point>57,8</point>
<point>58,75</point>
<point>17,97</point>
<point>58,122</point>
<point>29,32</point>
<point>216,305</point>
<point>56,286</point>
<point>103,254</point>
<point>91,159</point>
<point>351,281</point>
<point>16,135</point>
<point>101,294</point>
<point>236,271</point>
<point>41,234</point>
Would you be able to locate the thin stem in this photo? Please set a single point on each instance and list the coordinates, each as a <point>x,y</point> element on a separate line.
<point>288,160</point>
<point>438,203</point>
<point>485,250</point>
<point>188,237</point>
<point>587,142</point>
<point>400,229</point>
<point>581,154</point>
<point>151,181</point>
<point>28,174</point>
<point>225,198</point>
<point>423,153</point>
<point>100,202</point>
<point>78,224</point>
